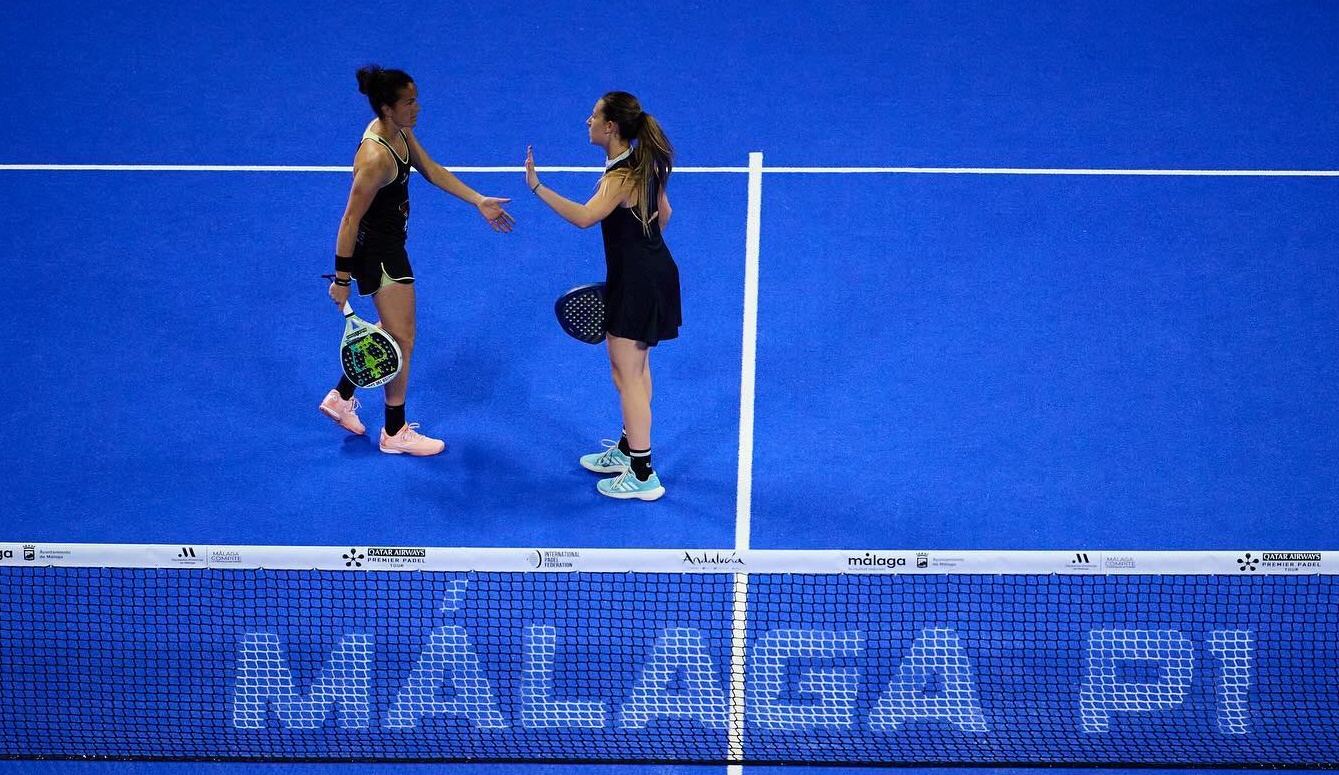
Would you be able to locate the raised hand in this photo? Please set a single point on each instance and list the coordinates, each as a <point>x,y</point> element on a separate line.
<point>531,177</point>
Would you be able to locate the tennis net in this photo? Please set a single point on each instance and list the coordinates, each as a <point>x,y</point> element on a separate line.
<point>246,653</point>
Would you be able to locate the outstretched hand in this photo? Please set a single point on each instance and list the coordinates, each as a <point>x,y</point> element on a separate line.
<point>490,207</point>
<point>531,177</point>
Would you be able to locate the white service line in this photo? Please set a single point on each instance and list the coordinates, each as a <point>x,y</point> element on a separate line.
<point>292,168</point>
<point>1052,171</point>
<point>164,168</point>
<point>1081,172</point>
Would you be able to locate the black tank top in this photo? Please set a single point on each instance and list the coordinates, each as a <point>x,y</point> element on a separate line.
<point>386,222</point>
<point>623,231</point>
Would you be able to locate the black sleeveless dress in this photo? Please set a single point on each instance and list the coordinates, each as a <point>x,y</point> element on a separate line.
<point>641,278</point>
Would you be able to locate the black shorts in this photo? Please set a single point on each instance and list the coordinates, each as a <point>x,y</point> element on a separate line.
<point>374,268</point>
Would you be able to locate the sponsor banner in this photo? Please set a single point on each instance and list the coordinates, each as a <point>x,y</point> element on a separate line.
<point>588,560</point>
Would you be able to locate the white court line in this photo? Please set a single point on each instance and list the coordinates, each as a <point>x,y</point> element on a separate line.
<point>744,487</point>
<point>734,746</point>
<point>737,170</point>
<point>166,168</point>
<point>1053,171</point>
<point>292,168</point>
<point>748,367</point>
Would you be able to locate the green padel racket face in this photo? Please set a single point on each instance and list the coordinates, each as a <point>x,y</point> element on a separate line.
<point>370,356</point>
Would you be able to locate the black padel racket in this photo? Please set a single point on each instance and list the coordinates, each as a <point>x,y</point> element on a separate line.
<point>580,312</point>
<point>369,355</point>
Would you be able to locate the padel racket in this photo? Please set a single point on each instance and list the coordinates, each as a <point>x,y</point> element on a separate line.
<point>580,312</point>
<point>369,355</point>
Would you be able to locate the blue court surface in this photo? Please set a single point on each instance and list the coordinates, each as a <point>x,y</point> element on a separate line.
<point>1039,276</point>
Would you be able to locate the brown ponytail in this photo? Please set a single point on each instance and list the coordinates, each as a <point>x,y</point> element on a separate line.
<point>652,154</point>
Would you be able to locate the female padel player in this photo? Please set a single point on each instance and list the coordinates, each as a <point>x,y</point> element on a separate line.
<point>642,280</point>
<point>370,247</point>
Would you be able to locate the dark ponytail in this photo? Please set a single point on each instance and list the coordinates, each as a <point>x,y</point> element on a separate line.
<point>652,154</point>
<point>381,86</point>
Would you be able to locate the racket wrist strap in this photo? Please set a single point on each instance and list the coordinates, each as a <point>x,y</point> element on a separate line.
<point>343,263</point>
<point>536,188</point>
<point>344,282</point>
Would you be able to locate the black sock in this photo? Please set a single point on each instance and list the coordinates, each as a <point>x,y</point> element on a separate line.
<point>623,443</point>
<point>394,419</point>
<point>641,463</point>
<point>345,388</point>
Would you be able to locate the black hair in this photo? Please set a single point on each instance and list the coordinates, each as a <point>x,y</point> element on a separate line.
<point>381,86</point>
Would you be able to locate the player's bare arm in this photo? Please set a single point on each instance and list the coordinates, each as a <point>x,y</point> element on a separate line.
<point>490,207</point>
<point>613,190</point>
<point>372,169</point>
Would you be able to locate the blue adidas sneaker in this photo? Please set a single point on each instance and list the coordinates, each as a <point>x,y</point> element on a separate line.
<point>626,486</point>
<point>610,461</point>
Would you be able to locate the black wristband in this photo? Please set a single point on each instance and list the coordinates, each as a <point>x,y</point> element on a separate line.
<point>343,263</point>
<point>344,282</point>
<point>536,188</point>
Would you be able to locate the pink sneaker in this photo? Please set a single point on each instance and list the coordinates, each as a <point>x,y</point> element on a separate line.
<point>343,412</point>
<point>410,441</point>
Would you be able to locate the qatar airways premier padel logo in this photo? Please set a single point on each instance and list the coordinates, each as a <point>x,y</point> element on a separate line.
<point>1290,562</point>
<point>396,557</point>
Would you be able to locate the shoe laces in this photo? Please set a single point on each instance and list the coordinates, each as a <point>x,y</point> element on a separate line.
<point>353,405</point>
<point>621,483</point>
<point>410,434</point>
<point>610,450</point>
